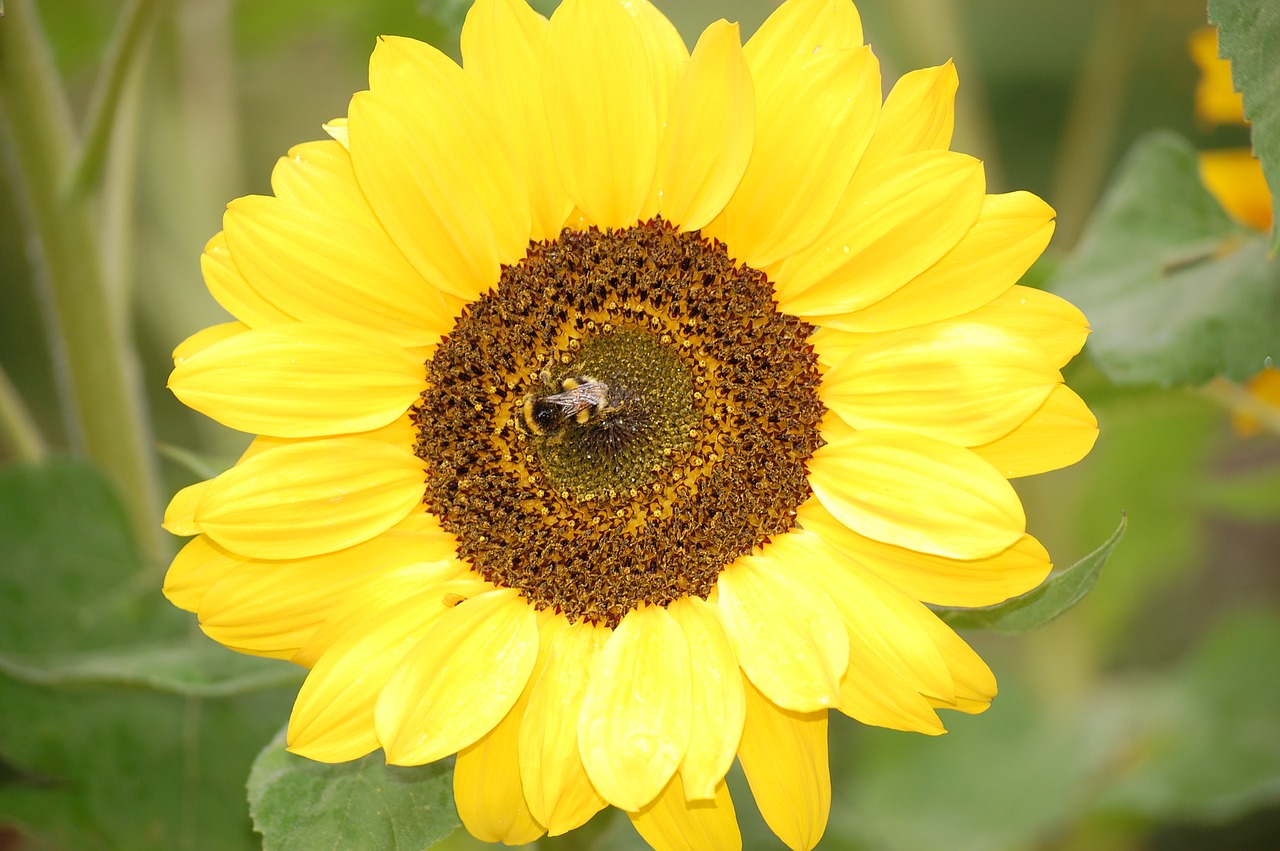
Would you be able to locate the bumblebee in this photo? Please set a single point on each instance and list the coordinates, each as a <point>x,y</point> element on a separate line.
<point>581,400</point>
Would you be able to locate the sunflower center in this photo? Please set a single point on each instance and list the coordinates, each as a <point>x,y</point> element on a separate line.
<point>622,417</point>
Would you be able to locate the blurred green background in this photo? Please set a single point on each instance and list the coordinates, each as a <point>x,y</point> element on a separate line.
<point>1146,718</point>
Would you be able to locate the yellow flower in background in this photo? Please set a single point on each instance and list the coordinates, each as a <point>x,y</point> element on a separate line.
<point>1234,176</point>
<point>1217,101</point>
<point>619,410</point>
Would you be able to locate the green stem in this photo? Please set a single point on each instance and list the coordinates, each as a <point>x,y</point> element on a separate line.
<point>122,55</point>
<point>18,430</point>
<point>1093,118</point>
<point>105,379</point>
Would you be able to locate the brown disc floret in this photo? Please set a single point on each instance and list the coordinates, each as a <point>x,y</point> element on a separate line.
<point>624,415</point>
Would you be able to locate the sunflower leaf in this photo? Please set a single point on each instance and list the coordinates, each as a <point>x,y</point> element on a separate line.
<point>198,668</point>
<point>1248,32</point>
<point>1056,595</point>
<point>89,759</point>
<point>300,804</point>
<point>1176,292</point>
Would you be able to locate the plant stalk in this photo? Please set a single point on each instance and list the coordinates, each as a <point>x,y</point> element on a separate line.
<point>106,388</point>
<point>19,433</point>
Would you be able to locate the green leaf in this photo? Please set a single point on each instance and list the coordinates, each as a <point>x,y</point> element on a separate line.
<point>1248,35</point>
<point>1175,291</point>
<point>1035,608</point>
<point>73,578</point>
<point>300,804</point>
<point>199,668</point>
<point>78,606</point>
<point>94,760</point>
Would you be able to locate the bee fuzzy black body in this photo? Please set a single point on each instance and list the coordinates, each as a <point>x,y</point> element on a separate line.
<point>580,401</point>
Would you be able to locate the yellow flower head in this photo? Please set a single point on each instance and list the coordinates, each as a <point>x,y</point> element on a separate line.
<point>620,408</point>
<point>1217,101</point>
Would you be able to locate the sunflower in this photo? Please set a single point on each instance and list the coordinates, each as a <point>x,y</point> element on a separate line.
<point>619,410</point>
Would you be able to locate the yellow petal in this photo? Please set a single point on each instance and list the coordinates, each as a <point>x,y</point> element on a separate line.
<point>810,132</point>
<point>300,380</point>
<point>674,823</point>
<point>432,166</point>
<point>195,569</point>
<point>1010,233</point>
<point>797,31</point>
<point>1057,435</point>
<point>709,135</point>
<point>555,781</point>
<point>310,498</point>
<point>337,130</point>
<point>835,347</point>
<point>888,664</point>
<point>205,338</point>
<point>882,684</point>
<point>892,223</point>
<point>326,260</point>
<point>962,382</point>
<point>917,492</point>
<point>662,40</point>
<point>502,47</point>
<point>918,115</point>
<point>399,432</point>
<point>281,627</point>
<point>229,287</point>
<point>487,790</point>
<point>385,589</point>
<point>333,716</point>
<point>875,693</point>
<point>272,608</point>
<point>487,786</point>
<point>669,56</point>
<point>318,175</point>
<point>935,579</point>
<point>602,99</point>
<point>452,690</point>
<point>784,755</point>
<point>636,716</point>
<point>881,619</point>
<point>973,684</point>
<point>717,699</point>
<point>180,515</point>
<point>788,637</point>
<point>1056,325</point>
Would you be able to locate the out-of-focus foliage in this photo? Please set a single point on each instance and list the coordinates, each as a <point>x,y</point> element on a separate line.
<point>1175,291</point>
<point>119,728</point>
